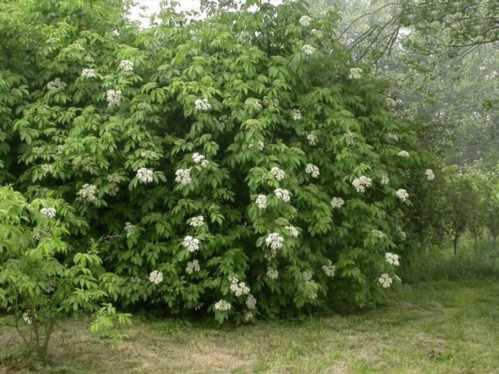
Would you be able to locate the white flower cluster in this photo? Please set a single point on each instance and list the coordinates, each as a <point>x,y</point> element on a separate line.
<point>430,175</point>
<point>198,158</point>
<point>156,277</point>
<point>191,244</point>
<point>385,280</point>
<point>337,202</point>
<point>355,73</point>
<point>49,212</point>
<point>308,50</point>
<point>392,258</point>
<point>251,302</point>
<point>197,221</point>
<point>202,105</point>
<point>272,273</point>
<point>378,234</point>
<point>312,170</point>
<point>296,115</point>
<point>305,21</point>
<point>362,183</point>
<point>27,319</point>
<point>278,173</point>
<point>183,176</point>
<point>87,192</point>
<point>126,66</point>
<point>307,276</point>
<point>312,139</point>
<point>402,194</point>
<point>274,241</point>
<point>88,73</point>
<point>404,154</point>
<point>282,194</point>
<point>222,306</point>
<point>261,201</point>
<point>385,180</point>
<point>129,228</point>
<point>329,269</point>
<point>145,175</point>
<point>113,97</point>
<point>293,231</point>
<point>238,288</point>
<point>392,137</point>
<point>56,84</point>
<point>192,267</point>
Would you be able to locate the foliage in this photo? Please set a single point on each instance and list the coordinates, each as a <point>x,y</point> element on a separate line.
<point>43,279</point>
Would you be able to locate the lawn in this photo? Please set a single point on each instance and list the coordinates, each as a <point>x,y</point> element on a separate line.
<point>443,327</point>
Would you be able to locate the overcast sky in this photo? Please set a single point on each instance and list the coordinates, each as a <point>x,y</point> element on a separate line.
<point>145,8</point>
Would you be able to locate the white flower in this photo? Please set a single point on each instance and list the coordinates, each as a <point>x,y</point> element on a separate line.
<point>329,269</point>
<point>115,32</point>
<point>305,21</point>
<point>126,66</point>
<point>296,115</point>
<point>49,212</point>
<point>392,258</point>
<point>385,180</point>
<point>145,175</point>
<point>192,267</point>
<point>317,33</point>
<point>282,194</point>
<point>129,228</point>
<point>251,302</point>
<point>337,202</point>
<point>362,183</point>
<point>261,201</point>
<point>88,73</point>
<point>56,84</point>
<point>238,288</point>
<point>278,173</point>
<point>202,105</point>
<point>307,276</point>
<point>156,277</point>
<point>385,280</point>
<point>293,231</point>
<point>312,139</point>
<point>312,170</point>
<point>392,137</point>
<point>198,158</point>
<point>378,234</point>
<point>191,244</point>
<point>430,175</point>
<point>308,50</point>
<point>274,241</point>
<point>355,73</point>
<point>222,306</point>
<point>403,154</point>
<point>113,97</point>
<point>402,194</point>
<point>248,317</point>
<point>197,221</point>
<point>272,273</point>
<point>27,319</point>
<point>183,176</point>
<point>87,192</point>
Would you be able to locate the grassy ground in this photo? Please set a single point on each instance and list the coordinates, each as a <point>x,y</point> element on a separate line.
<point>443,327</point>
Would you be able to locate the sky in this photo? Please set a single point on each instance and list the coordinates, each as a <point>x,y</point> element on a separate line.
<point>145,8</point>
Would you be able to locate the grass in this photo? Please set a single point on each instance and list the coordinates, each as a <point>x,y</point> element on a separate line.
<point>440,327</point>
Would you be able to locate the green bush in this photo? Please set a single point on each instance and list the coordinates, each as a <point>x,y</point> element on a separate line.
<point>239,164</point>
<point>42,278</point>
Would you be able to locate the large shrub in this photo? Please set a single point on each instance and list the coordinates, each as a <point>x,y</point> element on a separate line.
<point>234,164</point>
